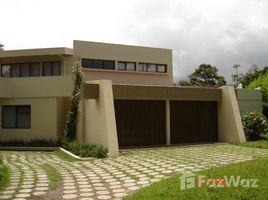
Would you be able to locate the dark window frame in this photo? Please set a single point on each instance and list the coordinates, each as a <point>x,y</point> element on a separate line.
<point>51,68</point>
<point>16,116</point>
<point>97,60</point>
<point>20,75</point>
<point>125,68</point>
<point>157,65</point>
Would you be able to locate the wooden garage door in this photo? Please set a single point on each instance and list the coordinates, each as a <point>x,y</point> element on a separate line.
<point>193,122</point>
<point>140,122</point>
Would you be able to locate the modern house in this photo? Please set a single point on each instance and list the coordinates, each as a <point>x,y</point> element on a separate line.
<point>127,98</point>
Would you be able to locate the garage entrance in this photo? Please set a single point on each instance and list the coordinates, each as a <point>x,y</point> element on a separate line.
<point>140,122</point>
<point>193,121</point>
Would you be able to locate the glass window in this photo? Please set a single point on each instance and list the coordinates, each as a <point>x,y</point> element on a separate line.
<point>121,66</point>
<point>25,70</point>
<point>15,70</point>
<point>142,67</point>
<point>86,63</point>
<point>23,117</point>
<point>97,64</point>
<point>151,68</point>
<point>131,66</point>
<point>6,70</point>
<point>8,116</point>
<point>161,68</point>
<point>108,64</point>
<point>35,69</point>
<point>16,116</point>
<point>56,69</point>
<point>47,69</point>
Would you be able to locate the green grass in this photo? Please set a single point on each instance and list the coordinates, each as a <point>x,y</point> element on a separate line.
<point>64,156</point>
<point>170,188</point>
<point>54,177</point>
<point>259,144</point>
<point>4,177</point>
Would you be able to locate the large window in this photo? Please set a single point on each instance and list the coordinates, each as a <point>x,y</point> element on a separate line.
<point>147,67</point>
<point>127,66</point>
<point>51,69</point>
<point>20,70</point>
<point>98,64</point>
<point>16,116</point>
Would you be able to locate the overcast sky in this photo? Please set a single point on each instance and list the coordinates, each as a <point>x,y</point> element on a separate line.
<point>218,32</point>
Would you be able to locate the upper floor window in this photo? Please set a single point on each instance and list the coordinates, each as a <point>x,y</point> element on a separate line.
<point>20,70</point>
<point>18,116</point>
<point>98,64</point>
<point>31,69</point>
<point>147,67</point>
<point>127,66</point>
<point>51,69</point>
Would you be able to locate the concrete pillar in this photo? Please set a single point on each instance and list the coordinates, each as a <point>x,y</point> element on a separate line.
<point>167,122</point>
<point>99,119</point>
<point>230,126</point>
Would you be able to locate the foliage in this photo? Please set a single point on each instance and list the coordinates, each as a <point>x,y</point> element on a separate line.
<point>72,117</point>
<point>236,76</point>
<point>4,175</point>
<point>253,73</point>
<point>184,83</point>
<point>54,177</point>
<point>262,82</point>
<point>255,124</point>
<point>206,75</point>
<point>170,188</point>
<point>31,143</point>
<point>257,144</point>
<point>85,150</point>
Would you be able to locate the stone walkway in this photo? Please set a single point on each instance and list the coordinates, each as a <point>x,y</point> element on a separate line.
<point>113,178</point>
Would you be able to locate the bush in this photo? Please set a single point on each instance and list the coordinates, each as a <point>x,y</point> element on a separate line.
<point>255,125</point>
<point>85,150</point>
<point>32,143</point>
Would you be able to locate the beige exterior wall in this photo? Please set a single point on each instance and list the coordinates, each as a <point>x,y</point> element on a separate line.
<point>99,125</point>
<point>44,121</point>
<point>102,51</point>
<point>230,126</point>
<point>249,100</point>
<point>53,86</point>
<point>66,61</point>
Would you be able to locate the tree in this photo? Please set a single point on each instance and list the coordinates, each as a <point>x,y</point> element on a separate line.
<point>72,117</point>
<point>253,73</point>
<point>206,75</point>
<point>184,83</point>
<point>236,77</point>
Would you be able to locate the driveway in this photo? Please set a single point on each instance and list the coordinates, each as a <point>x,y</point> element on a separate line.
<point>113,178</point>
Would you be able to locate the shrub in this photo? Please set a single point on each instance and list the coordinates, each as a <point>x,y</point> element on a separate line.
<point>84,150</point>
<point>255,124</point>
<point>32,143</point>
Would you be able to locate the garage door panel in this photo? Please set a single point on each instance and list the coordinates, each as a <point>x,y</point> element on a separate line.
<point>140,122</point>
<point>193,122</point>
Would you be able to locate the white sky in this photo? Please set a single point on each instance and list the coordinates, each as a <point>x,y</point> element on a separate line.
<point>218,32</point>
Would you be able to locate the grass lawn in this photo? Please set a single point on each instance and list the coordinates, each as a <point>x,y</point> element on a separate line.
<point>259,144</point>
<point>4,175</point>
<point>55,179</point>
<point>170,188</point>
<point>64,156</point>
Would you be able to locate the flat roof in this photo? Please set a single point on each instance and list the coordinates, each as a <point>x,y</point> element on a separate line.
<point>36,52</point>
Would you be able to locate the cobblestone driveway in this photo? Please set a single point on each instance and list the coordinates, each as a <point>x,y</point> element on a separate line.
<point>113,178</point>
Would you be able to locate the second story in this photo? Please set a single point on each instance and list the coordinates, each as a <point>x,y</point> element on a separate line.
<point>123,64</point>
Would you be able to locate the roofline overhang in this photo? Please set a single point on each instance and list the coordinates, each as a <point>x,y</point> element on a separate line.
<point>36,52</point>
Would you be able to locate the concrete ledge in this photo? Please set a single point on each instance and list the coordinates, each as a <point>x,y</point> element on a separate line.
<point>12,148</point>
<point>74,156</point>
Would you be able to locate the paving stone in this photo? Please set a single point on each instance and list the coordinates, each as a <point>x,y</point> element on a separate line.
<point>69,196</point>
